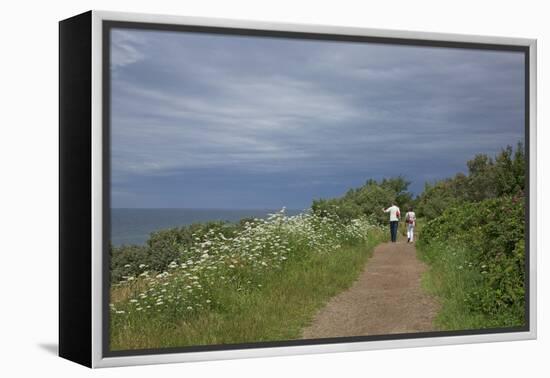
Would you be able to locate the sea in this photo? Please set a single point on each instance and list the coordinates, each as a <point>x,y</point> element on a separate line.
<point>133,226</point>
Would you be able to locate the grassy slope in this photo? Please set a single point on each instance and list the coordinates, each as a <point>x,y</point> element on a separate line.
<point>284,305</point>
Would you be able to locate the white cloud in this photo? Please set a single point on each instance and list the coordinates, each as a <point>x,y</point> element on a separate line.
<point>126,48</point>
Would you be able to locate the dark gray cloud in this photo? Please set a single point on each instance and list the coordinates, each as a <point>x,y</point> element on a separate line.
<point>204,120</point>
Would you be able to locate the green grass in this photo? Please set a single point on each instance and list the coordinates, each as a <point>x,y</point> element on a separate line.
<point>452,280</point>
<point>279,310</point>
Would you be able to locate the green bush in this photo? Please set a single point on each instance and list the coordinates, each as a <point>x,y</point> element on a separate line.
<point>487,178</point>
<point>164,247</point>
<point>125,261</point>
<point>483,241</point>
<point>367,200</point>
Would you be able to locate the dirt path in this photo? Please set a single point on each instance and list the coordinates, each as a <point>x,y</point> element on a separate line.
<point>387,298</point>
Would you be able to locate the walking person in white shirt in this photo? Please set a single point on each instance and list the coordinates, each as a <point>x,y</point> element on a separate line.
<point>410,219</point>
<point>394,220</point>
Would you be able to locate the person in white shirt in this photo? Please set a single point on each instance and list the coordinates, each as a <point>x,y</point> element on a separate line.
<point>394,220</point>
<point>410,219</point>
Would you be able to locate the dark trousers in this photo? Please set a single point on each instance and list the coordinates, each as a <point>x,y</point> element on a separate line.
<point>393,230</point>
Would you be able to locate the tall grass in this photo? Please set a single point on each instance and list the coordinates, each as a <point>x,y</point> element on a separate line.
<point>451,278</point>
<point>263,284</point>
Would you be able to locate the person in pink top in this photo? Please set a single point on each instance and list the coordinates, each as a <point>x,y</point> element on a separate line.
<point>394,220</point>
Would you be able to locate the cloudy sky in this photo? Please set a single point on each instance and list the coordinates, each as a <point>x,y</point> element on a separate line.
<point>211,121</point>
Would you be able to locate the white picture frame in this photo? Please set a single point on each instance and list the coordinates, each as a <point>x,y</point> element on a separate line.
<point>87,270</point>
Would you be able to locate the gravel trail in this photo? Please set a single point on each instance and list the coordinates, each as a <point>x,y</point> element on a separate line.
<point>387,298</point>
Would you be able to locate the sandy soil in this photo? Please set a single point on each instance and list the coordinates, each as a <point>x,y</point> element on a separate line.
<point>387,298</point>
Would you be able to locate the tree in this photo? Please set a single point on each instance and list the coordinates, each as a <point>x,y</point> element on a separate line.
<point>487,178</point>
<point>367,200</point>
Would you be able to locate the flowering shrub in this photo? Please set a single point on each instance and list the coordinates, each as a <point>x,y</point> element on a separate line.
<point>163,247</point>
<point>213,261</point>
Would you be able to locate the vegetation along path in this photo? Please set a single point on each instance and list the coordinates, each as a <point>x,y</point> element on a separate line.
<point>387,298</point>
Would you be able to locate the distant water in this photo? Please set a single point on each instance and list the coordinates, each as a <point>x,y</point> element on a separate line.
<point>133,226</point>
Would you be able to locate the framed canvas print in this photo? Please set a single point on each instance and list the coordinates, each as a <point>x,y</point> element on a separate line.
<point>234,189</point>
